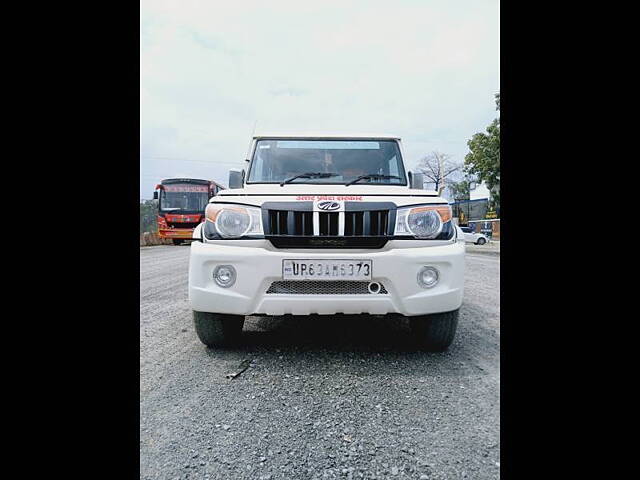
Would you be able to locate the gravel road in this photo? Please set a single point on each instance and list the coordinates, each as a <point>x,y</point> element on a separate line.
<point>327,397</point>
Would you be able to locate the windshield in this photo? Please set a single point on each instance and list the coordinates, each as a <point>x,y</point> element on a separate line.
<point>184,198</point>
<point>275,161</point>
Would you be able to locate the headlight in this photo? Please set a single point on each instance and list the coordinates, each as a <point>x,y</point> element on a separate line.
<point>233,221</point>
<point>422,222</point>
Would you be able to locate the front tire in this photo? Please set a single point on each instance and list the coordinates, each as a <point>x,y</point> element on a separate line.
<point>217,330</point>
<point>481,241</point>
<point>435,332</point>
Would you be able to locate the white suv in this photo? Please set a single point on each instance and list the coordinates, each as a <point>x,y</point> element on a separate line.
<point>326,225</point>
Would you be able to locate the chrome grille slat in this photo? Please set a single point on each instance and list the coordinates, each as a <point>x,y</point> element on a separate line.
<point>327,287</point>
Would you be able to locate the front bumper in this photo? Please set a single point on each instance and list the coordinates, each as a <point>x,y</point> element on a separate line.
<point>175,232</point>
<point>258,264</point>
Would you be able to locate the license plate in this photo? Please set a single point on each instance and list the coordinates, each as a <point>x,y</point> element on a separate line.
<point>326,269</point>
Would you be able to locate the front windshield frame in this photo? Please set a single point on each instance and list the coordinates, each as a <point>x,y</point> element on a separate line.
<point>163,208</point>
<point>330,181</point>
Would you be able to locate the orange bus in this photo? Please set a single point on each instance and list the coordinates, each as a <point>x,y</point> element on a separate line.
<point>181,204</point>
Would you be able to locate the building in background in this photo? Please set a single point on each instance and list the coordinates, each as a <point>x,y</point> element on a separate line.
<point>490,223</point>
<point>475,212</point>
<point>479,192</point>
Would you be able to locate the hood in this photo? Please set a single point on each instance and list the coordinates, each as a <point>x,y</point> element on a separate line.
<point>260,193</point>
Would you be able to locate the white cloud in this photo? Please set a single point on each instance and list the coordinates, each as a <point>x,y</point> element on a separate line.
<point>424,70</point>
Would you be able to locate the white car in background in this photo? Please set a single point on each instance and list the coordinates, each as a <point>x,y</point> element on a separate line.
<point>473,237</point>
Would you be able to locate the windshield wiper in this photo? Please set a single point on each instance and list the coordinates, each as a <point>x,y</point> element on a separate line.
<point>370,176</point>
<point>309,175</point>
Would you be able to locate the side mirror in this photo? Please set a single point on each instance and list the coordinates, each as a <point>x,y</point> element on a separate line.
<point>155,195</point>
<point>417,181</point>
<point>236,178</point>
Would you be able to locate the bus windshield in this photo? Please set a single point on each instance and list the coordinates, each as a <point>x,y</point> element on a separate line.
<point>275,161</point>
<point>184,198</point>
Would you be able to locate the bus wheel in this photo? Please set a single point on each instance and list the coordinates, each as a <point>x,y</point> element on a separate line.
<point>177,241</point>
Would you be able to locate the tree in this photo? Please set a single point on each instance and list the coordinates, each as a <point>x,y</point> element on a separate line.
<point>436,167</point>
<point>461,190</point>
<point>148,216</point>
<point>483,159</point>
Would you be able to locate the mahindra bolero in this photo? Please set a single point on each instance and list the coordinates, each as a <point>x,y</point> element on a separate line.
<point>326,225</point>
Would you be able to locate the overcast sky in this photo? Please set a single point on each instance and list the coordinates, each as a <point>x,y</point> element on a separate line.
<point>424,70</point>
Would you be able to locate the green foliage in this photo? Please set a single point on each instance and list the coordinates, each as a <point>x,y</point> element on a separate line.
<point>148,216</point>
<point>459,190</point>
<point>483,159</point>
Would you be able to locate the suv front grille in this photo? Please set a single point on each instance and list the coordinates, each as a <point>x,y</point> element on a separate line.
<point>365,223</point>
<point>326,287</point>
<point>361,225</point>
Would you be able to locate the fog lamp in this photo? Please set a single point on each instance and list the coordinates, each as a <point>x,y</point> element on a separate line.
<point>224,275</point>
<point>428,277</point>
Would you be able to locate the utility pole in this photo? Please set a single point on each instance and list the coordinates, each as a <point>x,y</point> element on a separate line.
<point>440,171</point>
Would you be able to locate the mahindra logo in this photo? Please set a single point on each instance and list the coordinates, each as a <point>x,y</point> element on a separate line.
<point>328,206</point>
